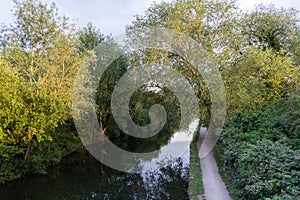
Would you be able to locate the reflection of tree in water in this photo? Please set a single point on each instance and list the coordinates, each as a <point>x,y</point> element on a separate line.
<point>166,183</point>
<point>170,182</point>
<point>79,176</point>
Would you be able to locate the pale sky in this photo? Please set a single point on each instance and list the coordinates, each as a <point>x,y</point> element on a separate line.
<point>111,16</point>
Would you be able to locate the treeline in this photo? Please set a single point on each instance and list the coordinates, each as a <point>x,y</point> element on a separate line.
<point>41,53</point>
<point>257,53</point>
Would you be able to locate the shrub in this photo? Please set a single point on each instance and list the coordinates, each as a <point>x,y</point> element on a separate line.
<point>261,163</point>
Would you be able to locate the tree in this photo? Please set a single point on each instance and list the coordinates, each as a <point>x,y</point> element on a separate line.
<point>90,37</point>
<point>273,28</point>
<point>27,116</point>
<point>39,61</point>
<point>258,78</point>
<point>210,23</point>
<point>42,46</point>
<point>252,50</point>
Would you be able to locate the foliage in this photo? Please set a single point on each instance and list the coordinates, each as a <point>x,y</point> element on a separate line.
<point>257,78</point>
<point>42,46</point>
<point>27,116</point>
<point>261,164</point>
<point>107,84</point>
<point>273,28</point>
<point>210,23</point>
<point>256,51</point>
<point>139,106</point>
<point>290,112</point>
<point>269,169</point>
<point>39,60</point>
<point>90,37</point>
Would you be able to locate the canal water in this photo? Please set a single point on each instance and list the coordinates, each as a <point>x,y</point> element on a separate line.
<point>80,176</point>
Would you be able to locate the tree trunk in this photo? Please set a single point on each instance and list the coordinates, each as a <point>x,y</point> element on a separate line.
<point>27,154</point>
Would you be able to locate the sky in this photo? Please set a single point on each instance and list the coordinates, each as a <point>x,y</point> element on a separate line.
<point>111,16</point>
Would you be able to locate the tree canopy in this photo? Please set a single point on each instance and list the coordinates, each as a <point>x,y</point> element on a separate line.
<point>257,53</point>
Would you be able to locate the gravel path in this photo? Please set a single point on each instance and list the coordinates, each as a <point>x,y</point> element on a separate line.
<point>214,187</point>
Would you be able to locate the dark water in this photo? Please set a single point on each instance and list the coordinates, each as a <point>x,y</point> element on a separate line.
<point>79,176</point>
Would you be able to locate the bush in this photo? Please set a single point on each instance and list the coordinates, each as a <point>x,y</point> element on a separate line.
<point>261,163</point>
<point>268,169</point>
<point>29,120</point>
<point>291,116</point>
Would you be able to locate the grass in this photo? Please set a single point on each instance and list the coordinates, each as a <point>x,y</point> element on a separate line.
<point>195,177</point>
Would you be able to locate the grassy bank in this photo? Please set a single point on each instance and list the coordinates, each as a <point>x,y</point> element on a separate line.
<point>195,177</point>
